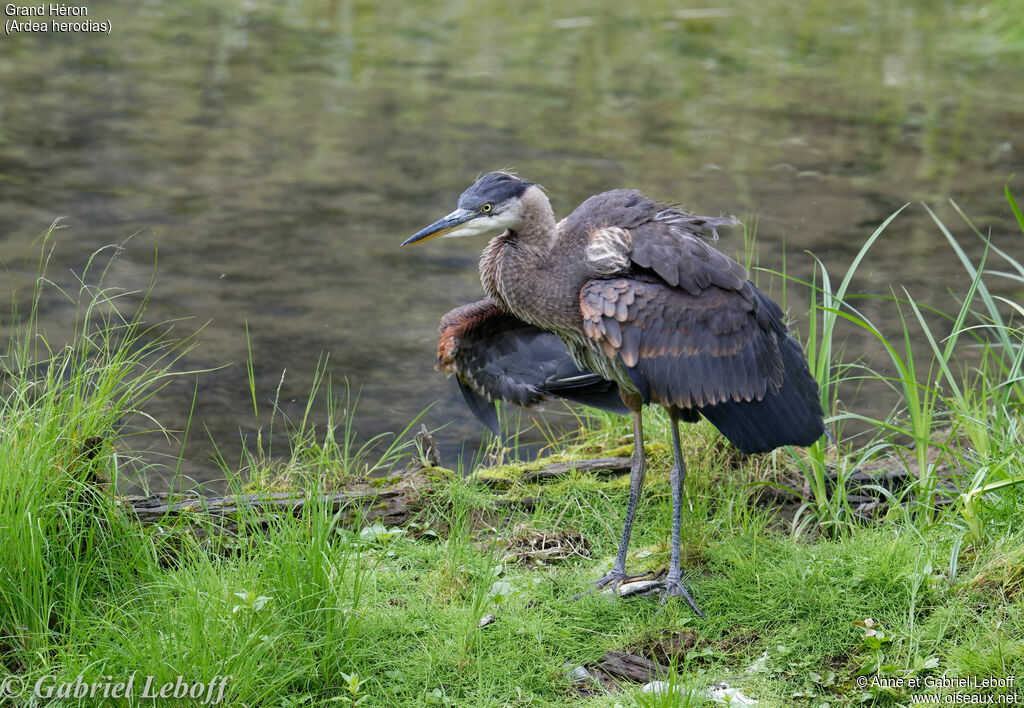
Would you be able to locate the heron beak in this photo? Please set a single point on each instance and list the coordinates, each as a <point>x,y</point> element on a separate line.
<point>442,227</point>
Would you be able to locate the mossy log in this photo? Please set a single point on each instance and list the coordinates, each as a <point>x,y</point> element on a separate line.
<point>601,466</point>
<point>605,466</point>
<point>393,503</point>
<point>391,500</point>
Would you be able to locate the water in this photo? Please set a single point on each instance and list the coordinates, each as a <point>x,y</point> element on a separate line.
<point>269,160</point>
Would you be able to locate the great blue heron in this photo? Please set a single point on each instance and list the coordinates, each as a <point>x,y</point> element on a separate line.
<point>638,299</point>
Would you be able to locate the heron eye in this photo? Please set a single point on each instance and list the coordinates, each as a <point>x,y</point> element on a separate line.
<point>486,208</point>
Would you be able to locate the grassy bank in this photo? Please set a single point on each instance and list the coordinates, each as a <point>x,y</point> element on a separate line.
<point>811,599</point>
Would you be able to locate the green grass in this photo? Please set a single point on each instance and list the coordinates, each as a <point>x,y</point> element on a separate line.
<point>803,606</point>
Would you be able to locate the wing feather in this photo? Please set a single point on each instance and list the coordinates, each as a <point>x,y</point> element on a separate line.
<point>496,356</point>
<point>724,353</point>
<point>692,350</point>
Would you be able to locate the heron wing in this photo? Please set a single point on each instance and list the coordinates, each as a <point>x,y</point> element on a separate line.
<point>725,353</point>
<point>689,350</point>
<point>497,356</point>
<point>792,415</point>
<point>691,331</point>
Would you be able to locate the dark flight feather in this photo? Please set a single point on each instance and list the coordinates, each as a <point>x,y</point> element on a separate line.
<point>496,356</point>
<point>791,415</point>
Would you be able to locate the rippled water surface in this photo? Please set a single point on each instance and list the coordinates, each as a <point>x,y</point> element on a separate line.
<point>269,160</point>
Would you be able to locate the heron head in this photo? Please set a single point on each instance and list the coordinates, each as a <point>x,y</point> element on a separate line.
<point>491,204</point>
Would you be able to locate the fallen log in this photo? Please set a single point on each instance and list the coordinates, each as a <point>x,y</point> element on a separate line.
<point>396,500</point>
<point>630,667</point>
<point>605,466</point>
<point>392,503</point>
<point>391,500</point>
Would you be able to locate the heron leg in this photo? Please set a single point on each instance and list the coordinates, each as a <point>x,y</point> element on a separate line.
<point>674,580</point>
<point>636,482</point>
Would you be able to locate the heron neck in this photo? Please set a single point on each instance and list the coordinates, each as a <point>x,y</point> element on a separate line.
<point>535,232</point>
<point>524,273</point>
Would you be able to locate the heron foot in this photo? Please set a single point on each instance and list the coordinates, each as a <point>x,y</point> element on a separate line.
<point>616,579</point>
<point>673,587</point>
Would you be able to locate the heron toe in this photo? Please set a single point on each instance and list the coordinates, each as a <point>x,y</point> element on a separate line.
<point>616,579</point>
<point>673,587</point>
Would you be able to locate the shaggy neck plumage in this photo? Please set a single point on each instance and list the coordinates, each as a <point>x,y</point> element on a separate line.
<point>535,230</point>
<point>513,267</point>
